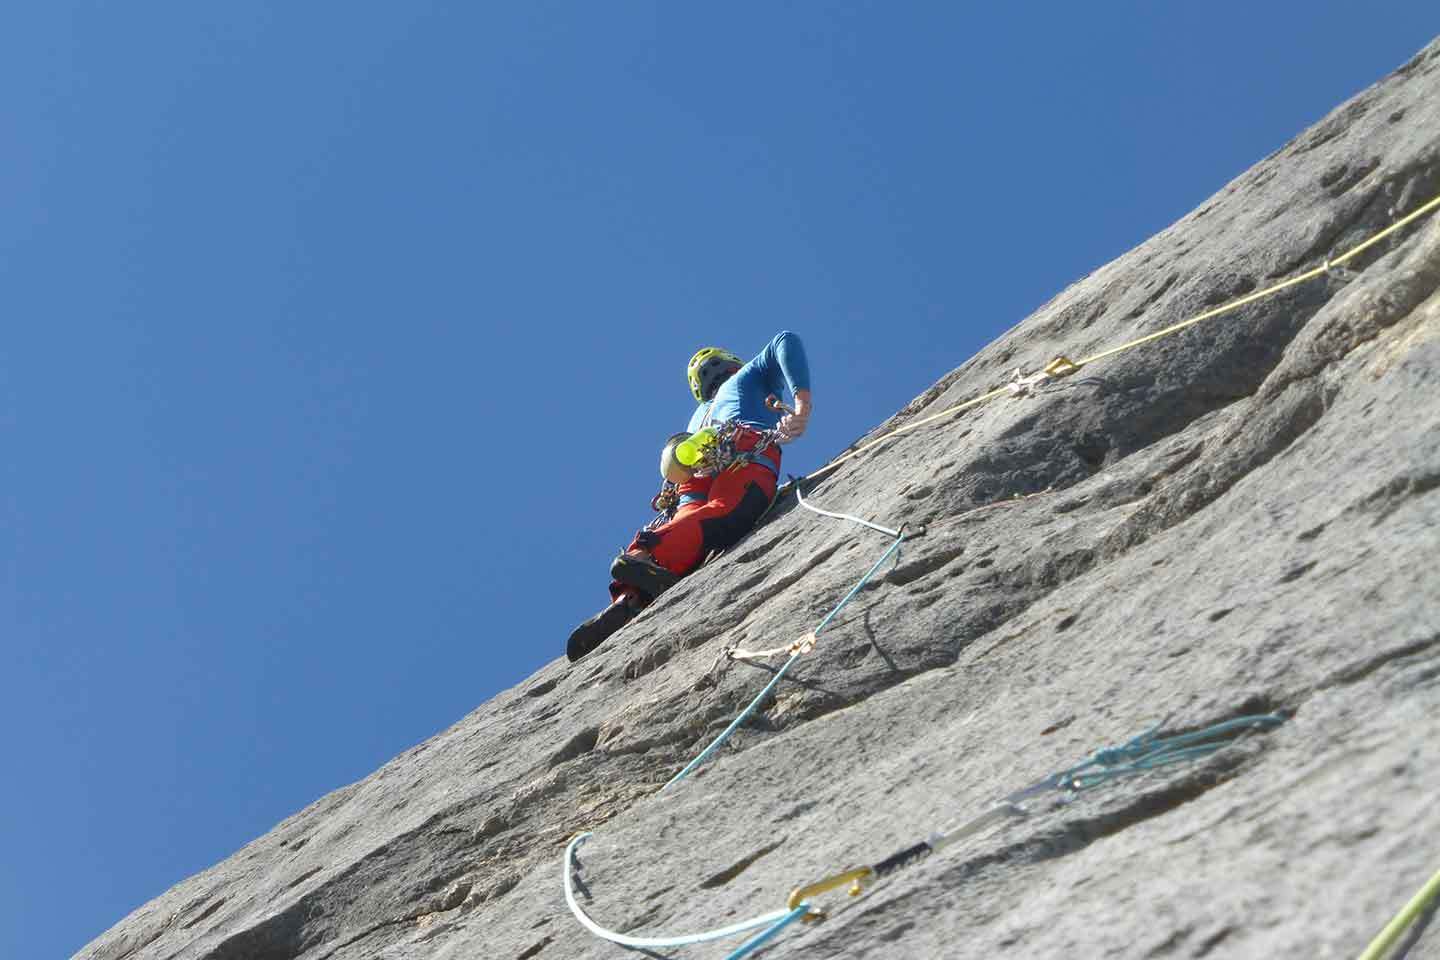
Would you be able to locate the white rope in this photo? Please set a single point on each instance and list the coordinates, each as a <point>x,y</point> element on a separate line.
<point>843,516</point>
<point>1021,385</point>
<point>1001,811</point>
<point>737,653</point>
<point>648,942</point>
<point>804,645</point>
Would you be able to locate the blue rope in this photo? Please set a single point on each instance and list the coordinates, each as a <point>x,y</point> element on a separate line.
<point>715,744</point>
<point>899,539</point>
<point>778,921</point>
<point>735,724</point>
<point>1148,752</point>
<point>760,939</point>
<point>1144,752</point>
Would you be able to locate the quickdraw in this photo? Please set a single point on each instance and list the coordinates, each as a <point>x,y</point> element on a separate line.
<point>1138,755</point>
<point>666,501</point>
<point>856,879</point>
<point>724,454</point>
<point>1061,366</point>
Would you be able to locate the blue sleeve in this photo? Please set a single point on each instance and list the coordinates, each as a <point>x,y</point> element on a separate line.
<point>783,364</point>
<point>779,367</point>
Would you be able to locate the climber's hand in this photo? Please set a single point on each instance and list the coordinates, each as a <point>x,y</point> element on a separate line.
<point>794,422</point>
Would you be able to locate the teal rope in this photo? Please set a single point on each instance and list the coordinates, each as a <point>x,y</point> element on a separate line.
<point>1148,752</point>
<point>735,724</point>
<point>715,744</point>
<point>1144,752</point>
<point>760,939</point>
<point>899,539</point>
<point>778,921</point>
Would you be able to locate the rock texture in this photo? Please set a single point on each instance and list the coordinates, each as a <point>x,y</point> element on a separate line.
<point>1242,517</point>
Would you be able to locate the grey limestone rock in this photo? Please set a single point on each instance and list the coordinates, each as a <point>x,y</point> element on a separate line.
<point>1243,517</point>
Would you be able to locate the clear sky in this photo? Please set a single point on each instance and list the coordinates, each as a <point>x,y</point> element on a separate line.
<point>340,338</point>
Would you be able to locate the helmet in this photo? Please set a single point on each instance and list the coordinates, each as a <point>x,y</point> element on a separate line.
<point>708,369</point>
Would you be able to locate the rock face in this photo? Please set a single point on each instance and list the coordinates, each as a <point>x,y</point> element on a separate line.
<point>1243,517</point>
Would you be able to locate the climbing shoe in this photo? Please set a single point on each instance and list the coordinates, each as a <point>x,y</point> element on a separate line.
<point>642,573</point>
<point>598,628</point>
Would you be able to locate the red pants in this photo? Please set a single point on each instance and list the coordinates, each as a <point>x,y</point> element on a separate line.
<point>736,500</point>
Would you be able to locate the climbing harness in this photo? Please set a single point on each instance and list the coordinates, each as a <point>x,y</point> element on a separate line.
<point>1148,751</point>
<point>723,452</point>
<point>715,452</point>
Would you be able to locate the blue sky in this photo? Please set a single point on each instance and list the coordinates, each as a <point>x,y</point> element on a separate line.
<point>341,338</point>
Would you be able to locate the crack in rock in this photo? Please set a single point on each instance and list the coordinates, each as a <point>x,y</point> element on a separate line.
<point>733,871</point>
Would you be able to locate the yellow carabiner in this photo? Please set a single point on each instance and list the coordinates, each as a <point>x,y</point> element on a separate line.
<point>1061,366</point>
<point>852,877</point>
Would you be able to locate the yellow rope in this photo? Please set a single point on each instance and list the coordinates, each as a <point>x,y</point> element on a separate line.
<point>1132,344</point>
<point>973,402</point>
<point>1226,308</point>
<point>1008,501</point>
<point>1381,945</point>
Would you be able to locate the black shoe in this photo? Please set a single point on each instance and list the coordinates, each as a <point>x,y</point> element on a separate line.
<point>597,629</point>
<point>643,574</point>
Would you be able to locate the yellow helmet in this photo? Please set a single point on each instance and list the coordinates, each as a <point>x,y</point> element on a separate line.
<point>709,368</point>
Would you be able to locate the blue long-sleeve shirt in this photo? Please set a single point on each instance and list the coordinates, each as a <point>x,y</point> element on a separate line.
<point>781,366</point>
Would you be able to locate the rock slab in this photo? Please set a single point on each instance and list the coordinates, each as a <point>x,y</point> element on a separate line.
<point>1240,518</point>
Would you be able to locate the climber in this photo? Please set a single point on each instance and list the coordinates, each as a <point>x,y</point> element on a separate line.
<point>737,426</point>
